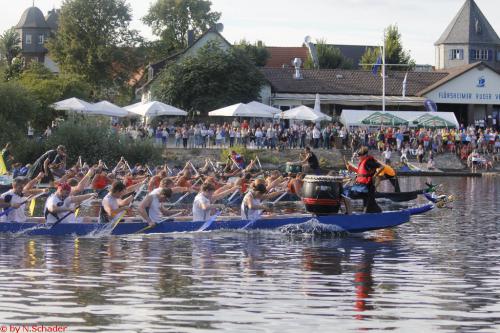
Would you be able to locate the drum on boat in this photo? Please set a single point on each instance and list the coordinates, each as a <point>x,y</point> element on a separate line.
<point>322,194</point>
<point>293,167</point>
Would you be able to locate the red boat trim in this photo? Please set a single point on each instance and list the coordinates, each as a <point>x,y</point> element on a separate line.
<point>325,202</point>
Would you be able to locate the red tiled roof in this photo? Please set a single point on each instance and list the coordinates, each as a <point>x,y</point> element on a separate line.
<point>280,56</point>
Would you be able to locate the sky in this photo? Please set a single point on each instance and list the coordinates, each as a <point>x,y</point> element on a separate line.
<point>287,22</point>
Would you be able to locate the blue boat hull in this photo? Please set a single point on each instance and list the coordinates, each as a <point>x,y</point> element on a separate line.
<point>347,223</point>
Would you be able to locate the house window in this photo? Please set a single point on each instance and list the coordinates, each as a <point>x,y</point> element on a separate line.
<point>41,39</point>
<point>457,54</point>
<point>481,54</point>
<point>498,55</point>
<point>28,39</point>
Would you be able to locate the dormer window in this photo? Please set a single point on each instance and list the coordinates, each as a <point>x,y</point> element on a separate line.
<point>28,39</point>
<point>456,54</point>
<point>41,39</point>
<point>480,54</point>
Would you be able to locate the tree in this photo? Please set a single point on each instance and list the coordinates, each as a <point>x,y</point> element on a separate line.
<point>211,79</point>
<point>47,88</point>
<point>91,39</point>
<point>256,52</point>
<point>329,57</point>
<point>9,45</point>
<point>171,20</point>
<point>394,52</point>
<point>16,109</point>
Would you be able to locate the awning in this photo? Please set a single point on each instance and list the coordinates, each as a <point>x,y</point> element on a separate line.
<point>432,120</point>
<point>384,118</point>
<point>349,99</point>
<point>366,118</point>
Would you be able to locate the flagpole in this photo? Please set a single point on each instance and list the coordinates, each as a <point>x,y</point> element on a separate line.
<point>383,74</point>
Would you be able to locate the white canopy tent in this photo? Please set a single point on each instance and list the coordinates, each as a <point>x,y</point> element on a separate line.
<point>241,110</point>
<point>106,108</point>
<point>363,118</point>
<point>263,107</point>
<point>72,104</point>
<point>304,113</point>
<point>155,109</point>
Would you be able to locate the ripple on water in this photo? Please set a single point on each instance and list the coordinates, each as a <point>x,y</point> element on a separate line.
<point>438,273</point>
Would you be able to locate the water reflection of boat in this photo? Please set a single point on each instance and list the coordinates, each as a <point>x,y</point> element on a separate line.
<point>354,256</point>
<point>352,223</point>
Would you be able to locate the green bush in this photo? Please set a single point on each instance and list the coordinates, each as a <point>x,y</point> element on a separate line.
<point>244,152</point>
<point>91,140</point>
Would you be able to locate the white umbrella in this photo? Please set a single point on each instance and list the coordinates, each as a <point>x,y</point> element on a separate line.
<point>72,104</point>
<point>154,109</point>
<point>106,108</point>
<point>264,107</point>
<point>304,113</point>
<point>240,110</point>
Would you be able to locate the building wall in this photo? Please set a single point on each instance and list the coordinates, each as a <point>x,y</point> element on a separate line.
<point>208,37</point>
<point>147,96</point>
<point>35,46</point>
<point>443,60</point>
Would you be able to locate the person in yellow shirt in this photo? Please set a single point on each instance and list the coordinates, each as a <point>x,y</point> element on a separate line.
<point>385,172</point>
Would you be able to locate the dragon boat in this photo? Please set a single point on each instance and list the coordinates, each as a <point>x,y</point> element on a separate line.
<point>351,223</point>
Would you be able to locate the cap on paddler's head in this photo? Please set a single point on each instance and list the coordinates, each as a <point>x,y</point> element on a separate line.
<point>362,151</point>
<point>64,187</point>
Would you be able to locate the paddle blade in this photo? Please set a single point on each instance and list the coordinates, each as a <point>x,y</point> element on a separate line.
<point>209,222</point>
<point>32,207</point>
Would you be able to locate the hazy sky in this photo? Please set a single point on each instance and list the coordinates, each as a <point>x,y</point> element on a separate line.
<point>287,22</point>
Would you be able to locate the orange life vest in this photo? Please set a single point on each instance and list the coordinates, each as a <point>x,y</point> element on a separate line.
<point>364,176</point>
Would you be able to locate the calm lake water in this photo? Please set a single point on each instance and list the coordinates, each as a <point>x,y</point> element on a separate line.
<point>439,273</point>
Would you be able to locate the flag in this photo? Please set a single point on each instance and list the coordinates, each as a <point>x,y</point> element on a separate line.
<point>404,84</point>
<point>377,66</point>
<point>430,105</point>
<point>3,167</point>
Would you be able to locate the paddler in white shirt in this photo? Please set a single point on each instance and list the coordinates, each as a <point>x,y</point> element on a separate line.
<point>252,206</point>
<point>16,197</point>
<point>151,209</point>
<point>61,203</point>
<point>202,204</point>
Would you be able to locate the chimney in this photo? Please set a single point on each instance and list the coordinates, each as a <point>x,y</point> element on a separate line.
<point>259,43</point>
<point>297,62</point>
<point>190,38</point>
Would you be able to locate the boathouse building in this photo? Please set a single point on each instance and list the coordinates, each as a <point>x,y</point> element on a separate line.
<point>466,79</point>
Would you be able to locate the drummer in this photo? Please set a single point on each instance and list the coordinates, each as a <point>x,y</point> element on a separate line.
<point>310,163</point>
<point>151,209</point>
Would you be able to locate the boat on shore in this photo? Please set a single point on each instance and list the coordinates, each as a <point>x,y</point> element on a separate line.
<point>352,223</point>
